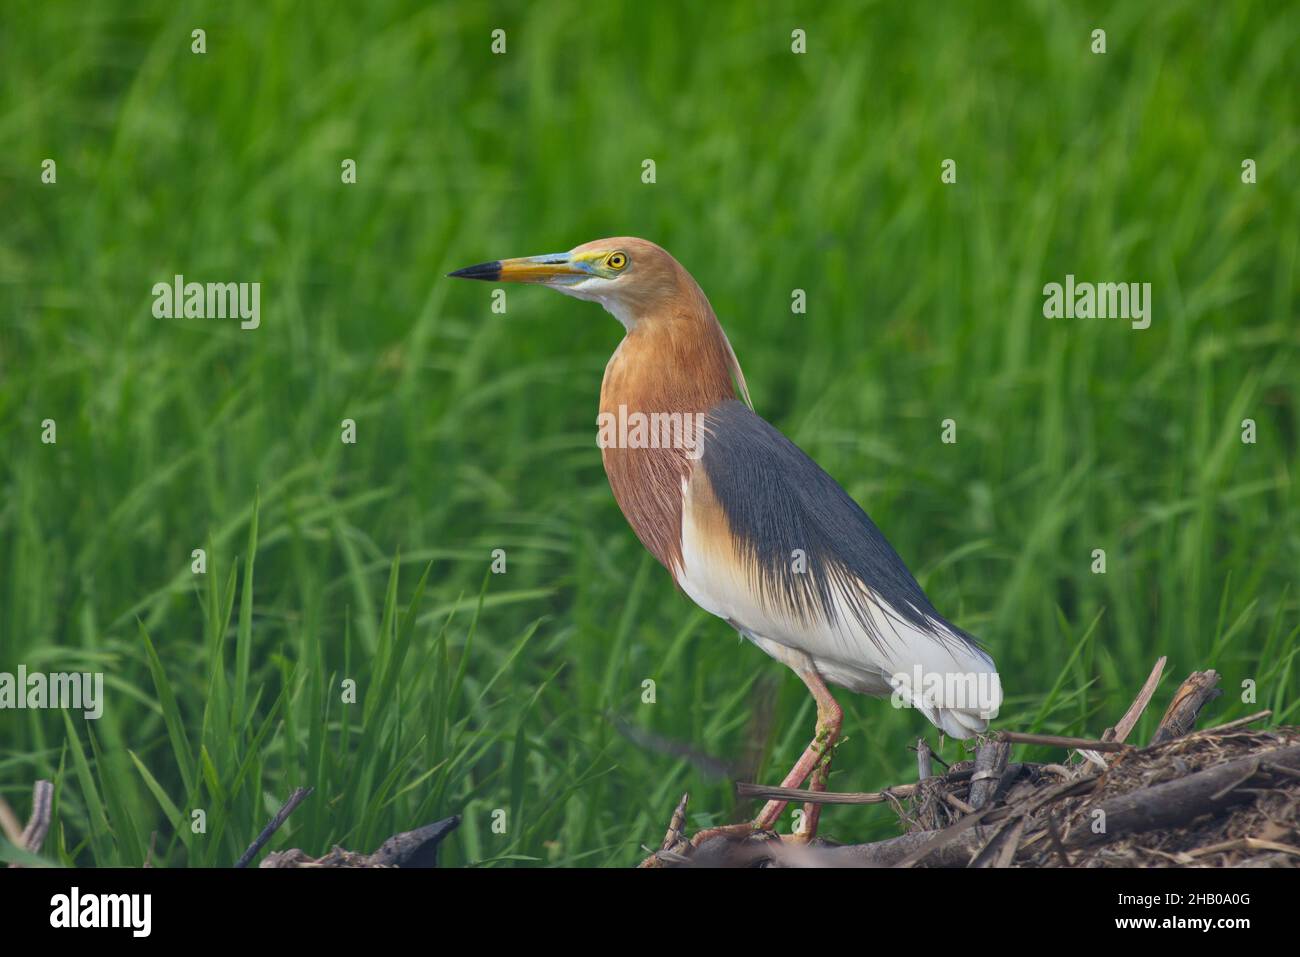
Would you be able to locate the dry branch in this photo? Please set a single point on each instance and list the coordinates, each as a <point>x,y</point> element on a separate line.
<point>1134,712</point>
<point>990,763</point>
<point>763,792</point>
<point>282,815</point>
<point>1191,696</point>
<point>923,764</point>
<point>1233,725</point>
<point>677,825</point>
<point>1058,741</point>
<point>824,797</point>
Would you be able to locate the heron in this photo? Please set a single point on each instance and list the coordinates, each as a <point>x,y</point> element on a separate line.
<point>747,524</point>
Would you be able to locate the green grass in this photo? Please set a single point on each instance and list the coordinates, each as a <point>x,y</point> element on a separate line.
<point>522,692</point>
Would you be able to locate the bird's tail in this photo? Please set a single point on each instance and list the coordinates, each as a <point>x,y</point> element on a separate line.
<point>960,693</point>
<point>959,722</point>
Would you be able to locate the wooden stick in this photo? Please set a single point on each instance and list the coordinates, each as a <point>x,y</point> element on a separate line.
<point>763,792</point>
<point>924,768</point>
<point>282,815</point>
<point>1134,712</point>
<point>958,803</point>
<point>1239,723</point>
<point>675,824</point>
<point>990,762</point>
<point>824,797</point>
<point>1191,696</point>
<point>1245,844</point>
<point>1057,741</point>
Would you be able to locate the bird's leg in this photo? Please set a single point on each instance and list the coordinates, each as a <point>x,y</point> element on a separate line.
<point>815,760</point>
<point>817,782</point>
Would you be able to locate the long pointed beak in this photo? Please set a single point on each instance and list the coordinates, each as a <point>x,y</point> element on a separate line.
<point>555,268</point>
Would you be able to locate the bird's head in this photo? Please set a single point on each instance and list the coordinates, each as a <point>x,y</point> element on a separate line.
<point>632,278</point>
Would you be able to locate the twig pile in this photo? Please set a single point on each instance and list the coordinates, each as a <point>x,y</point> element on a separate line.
<point>1227,796</point>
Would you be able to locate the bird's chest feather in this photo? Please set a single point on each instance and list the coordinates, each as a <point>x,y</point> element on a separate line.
<point>658,386</point>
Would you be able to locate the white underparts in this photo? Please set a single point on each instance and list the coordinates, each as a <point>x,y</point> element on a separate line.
<point>903,660</point>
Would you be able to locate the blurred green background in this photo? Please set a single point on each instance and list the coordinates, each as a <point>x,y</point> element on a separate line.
<point>523,692</point>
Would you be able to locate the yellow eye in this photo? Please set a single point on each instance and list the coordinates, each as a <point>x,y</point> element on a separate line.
<point>616,260</point>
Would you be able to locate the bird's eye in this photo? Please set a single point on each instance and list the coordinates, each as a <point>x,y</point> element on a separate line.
<point>616,260</point>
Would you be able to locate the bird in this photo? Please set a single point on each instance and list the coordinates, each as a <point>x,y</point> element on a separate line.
<point>747,524</point>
